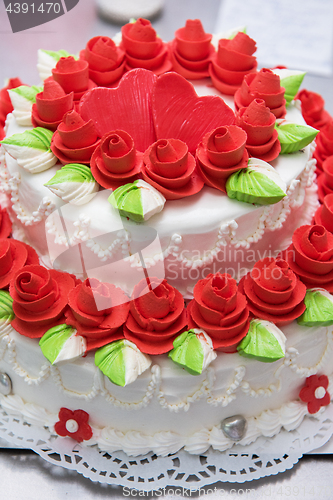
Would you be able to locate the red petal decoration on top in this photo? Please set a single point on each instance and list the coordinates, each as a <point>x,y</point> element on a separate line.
<point>192,41</point>
<point>126,107</point>
<point>324,214</point>
<point>180,114</point>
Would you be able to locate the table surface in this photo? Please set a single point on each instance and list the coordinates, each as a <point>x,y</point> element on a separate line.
<point>24,474</point>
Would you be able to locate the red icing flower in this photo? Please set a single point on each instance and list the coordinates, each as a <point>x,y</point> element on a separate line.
<point>232,62</point>
<point>39,299</point>
<point>258,123</point>
<point>324,213</point>
<point>310,256</point>
<point>314,393</point>
<point>5,223</point>
<point>324,145</point>
<point>13,256</point>
<point>262,85</point>
<point>156,317</point>
<point>191,50</point>
<point>97,311</point>
<point>220,310</point>
<point>221,153</point>
<point>313,109</point>
<point>73,424</point>
<point>51,105</point>
<point>73,76</point>
<point>171,169</point>
<point>273,291</point>
<point>2,132</point>
<point>143,48</point>
<point>75,139</point>
<point>5,102</point>
<point>116,161</point>
<point>106,60</point>
<point>325,179</point>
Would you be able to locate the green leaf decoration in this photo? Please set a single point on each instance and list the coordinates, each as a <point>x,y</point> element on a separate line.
<point>57,55</point>
<point>293,136</point>
<point>264,342</point>
<point>121,361</point>
<point>37,138</point>
<point>291,84</point>
<point>256,184</point>
<point>137,200</point>
<point>72,172</point>
<point>6,306</point>
<point>29,93</point>
<point>190,350</point>
<point>319,308</point>
<point>61,343</point>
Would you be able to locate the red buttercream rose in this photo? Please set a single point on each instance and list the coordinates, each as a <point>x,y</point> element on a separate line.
<point>51,105</point>
<point>73,76</point>
<point>5,223</point>
<point>325,179</point>
<point>258,123</point>
<point>171,169</point>
<point>310,256</point>
<point>73,424</point>
<point>156,317</point>
<point>143,48</point>
<point>324,213</point>
<point>97,311</point>
<point>220,310</point>
<point>116,161</point>
<point>324,145</point>
<point>5,102</point>
<point>274,293</point>
<point>221,153</point>
<point>13,256</point>
<point>315,393</point>
<point>191,50</point>
<point>39,299</point>
<point>2,132</point>
<point>232,62</point>
<point>106,60</point>
<point>75,139</point>
<point>262,85</point>
<point>313,109</point>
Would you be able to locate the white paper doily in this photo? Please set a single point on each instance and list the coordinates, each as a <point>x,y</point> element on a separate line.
<point>265,457</point>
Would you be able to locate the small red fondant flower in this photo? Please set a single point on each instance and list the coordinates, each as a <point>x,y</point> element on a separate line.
<point>220,153</point>
<point>51,105</point>
<point>171,169</point>
<point>116,161</point>
<point>314,393</point>
<point>106,60</point>
<point>73,424</point>
<point>258,123</point>
<point>310,256</point>
<point>313,109</point>
<point>97,311</point>
<point>75,139</point>
<point>324,145</point>
<point>232,62</point>
<point>13,256</point>
<point>220,310</point>
<point>73,76</point>
<point>5,223</point>
<point>325,179</point>
<point>156,317</point>
<point>143,48</point>
<point>262,85</point>
<point>274,293</point>
<point>5,102</point>
<point>324,213</point>
<point>191,50</point>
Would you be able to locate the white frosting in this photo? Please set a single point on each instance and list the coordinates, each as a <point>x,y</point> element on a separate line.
<point>32,160</point>
<point>135,362</point>
<point>266,169</point>
<point>76,193</point>
<point>207,347</point>
<point>74,347</point>
<point>22,109</point>
<point>152,200</point>
<point>45,64</point>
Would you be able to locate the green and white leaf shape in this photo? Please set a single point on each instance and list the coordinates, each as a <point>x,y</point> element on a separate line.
<point>137,200</point>
<point>31,149</point>
<point>61,344</point>
<point>319,308</point>
<point>291,80</point>
<point>73,183</point>
<point>122,362</point>
<point>259,183</point>
<point>47,60</point>
<point>293,136</point>
<point>193,351</point>
<point>6,307</point>
<point>22,99</point>
<point>264,342</point>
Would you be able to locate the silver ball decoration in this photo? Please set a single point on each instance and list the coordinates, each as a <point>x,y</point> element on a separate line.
<point>5,384</point>
<point>234,427</point>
